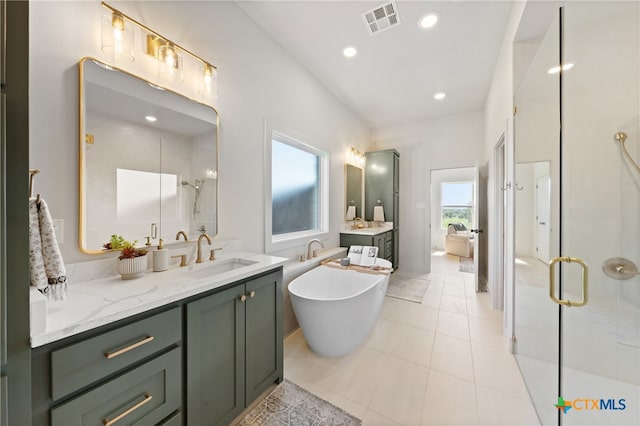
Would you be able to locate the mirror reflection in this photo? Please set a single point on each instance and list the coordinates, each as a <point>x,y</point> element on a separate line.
<point>533,204</point>
<point>148,160</point>
<point>354,182</point>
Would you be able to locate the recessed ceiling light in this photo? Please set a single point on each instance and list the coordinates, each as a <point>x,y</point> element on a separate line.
<point>439,96</point>
<point>150,118</point>
<point>349,51</point>
<point>428,20</point>
<point>556,69</point>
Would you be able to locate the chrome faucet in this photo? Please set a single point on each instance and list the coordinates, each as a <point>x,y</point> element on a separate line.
<point>183,234</point>
<point>199,257</point>
<point>309,248</point>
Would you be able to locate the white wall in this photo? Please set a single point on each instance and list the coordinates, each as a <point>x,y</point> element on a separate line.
<point>257,78</point>
<point>447,142</point>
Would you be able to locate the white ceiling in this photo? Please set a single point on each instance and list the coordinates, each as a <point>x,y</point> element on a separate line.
<point>396,72</point>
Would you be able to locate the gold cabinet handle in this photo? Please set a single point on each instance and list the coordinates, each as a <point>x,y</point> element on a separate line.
<point>243,298</point>
<point>107,422</point>
<point>552,281</point>
<point>252,294</point>
<point>144,341</point>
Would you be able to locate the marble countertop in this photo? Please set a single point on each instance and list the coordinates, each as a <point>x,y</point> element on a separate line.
<point>99,302</point>
<point>373,230</point>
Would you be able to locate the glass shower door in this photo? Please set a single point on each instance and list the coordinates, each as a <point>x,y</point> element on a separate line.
<point>537,156</point>
<point>600,213</point>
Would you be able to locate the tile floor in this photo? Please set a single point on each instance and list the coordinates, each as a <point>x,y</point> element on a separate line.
<point>441,362</point>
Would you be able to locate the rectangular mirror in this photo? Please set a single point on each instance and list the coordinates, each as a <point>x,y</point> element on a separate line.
<point>148,160</point>
<point>353,191</point>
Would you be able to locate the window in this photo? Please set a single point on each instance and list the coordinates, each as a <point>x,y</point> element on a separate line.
<point>297,209</point>
<point>457,203</point>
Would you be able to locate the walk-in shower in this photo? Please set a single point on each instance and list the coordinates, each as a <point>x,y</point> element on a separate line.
<point>565,120</point>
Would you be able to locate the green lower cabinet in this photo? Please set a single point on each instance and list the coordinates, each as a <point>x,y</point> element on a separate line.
<point>264,339</point>
<point>229,333</point>
<point>215,358</point>
<point>144,396</point>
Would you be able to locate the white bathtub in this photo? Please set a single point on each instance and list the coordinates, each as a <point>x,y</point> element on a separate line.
<point>337,308</point>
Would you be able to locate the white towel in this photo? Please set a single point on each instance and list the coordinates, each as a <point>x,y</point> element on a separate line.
<point>351,212</point>
<point>48,273</point>
<point>378,214</point>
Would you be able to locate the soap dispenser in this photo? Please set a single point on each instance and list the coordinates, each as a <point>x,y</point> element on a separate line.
<point>160,258</point>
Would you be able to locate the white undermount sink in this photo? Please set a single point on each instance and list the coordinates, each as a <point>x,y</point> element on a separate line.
<point>218,266</point>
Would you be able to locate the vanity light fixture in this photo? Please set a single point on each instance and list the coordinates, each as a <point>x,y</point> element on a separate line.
<point>355,157</point>
<point>117,37</point>
<point>428,21</point>
<point>150,118</point>
<point>556,69</point>
<point>168,53</point>
<point>439,96</point>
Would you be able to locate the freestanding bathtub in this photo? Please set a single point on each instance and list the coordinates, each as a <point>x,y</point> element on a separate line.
<point>337,308</point>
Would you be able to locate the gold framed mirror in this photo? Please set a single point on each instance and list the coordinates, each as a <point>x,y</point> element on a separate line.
<point>148,160</point>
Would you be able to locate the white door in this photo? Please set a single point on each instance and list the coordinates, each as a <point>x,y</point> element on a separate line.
<point>480,207</point>
<point>543,217</point>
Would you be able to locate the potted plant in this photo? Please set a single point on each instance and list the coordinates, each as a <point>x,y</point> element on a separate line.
<point>133,261</point>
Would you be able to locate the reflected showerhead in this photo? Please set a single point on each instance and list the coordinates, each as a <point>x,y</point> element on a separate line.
<point>185,183</point>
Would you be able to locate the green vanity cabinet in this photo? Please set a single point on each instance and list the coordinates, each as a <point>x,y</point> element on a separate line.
<point>130,370</point>
<point>379,240</point>
<point>382,183</point>
<point>234,349</point>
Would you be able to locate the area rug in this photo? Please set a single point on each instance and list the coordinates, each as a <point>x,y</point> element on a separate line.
<point>289,404</point>
<point>466,264</point>
<point>407,288</point>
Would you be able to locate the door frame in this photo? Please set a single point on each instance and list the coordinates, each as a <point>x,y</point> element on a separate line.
<point>503,234</point>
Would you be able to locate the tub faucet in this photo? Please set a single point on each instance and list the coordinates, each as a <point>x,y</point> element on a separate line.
<point>309,248</point>
<point>199,257</point>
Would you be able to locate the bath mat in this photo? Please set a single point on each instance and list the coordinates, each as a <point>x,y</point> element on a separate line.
<point>289,404</point>
<point>466,264</point>
<point>407,288</point>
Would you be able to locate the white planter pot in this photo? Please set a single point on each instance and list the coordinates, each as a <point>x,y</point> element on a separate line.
<point>133,267</point>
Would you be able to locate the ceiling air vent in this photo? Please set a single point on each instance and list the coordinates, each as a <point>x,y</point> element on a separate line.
<point>381,17</point>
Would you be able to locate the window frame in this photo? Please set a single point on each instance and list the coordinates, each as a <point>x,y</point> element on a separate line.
<point>292,138</point>
<point>471,207</point>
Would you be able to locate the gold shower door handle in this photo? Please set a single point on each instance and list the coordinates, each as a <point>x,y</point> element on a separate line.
<point>552,281</point>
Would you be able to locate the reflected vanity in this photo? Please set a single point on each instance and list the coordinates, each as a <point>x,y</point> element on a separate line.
<point>148,160</point>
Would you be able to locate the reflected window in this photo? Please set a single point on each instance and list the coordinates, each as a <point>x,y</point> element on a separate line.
<point>457,203</point>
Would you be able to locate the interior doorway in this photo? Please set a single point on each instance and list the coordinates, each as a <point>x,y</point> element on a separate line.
<point>454,214</point>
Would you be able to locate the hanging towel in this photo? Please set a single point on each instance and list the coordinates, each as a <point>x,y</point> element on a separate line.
<point>48,273</point>
<point>351,212</point>
<point>378,214</point>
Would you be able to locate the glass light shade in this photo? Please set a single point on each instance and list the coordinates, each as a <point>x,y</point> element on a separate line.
<point>117,37</point>
<point>169,64</point>
<point>208,86</point>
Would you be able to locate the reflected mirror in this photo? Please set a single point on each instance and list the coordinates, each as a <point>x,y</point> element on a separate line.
<point>353,192</point>
<point>148,160</point>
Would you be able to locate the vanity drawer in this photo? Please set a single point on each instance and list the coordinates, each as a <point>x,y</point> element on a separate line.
<point>85,362</point>
<point>145,395</point>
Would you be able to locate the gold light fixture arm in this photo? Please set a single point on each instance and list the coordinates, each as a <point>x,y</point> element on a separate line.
<point>149,30</point>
